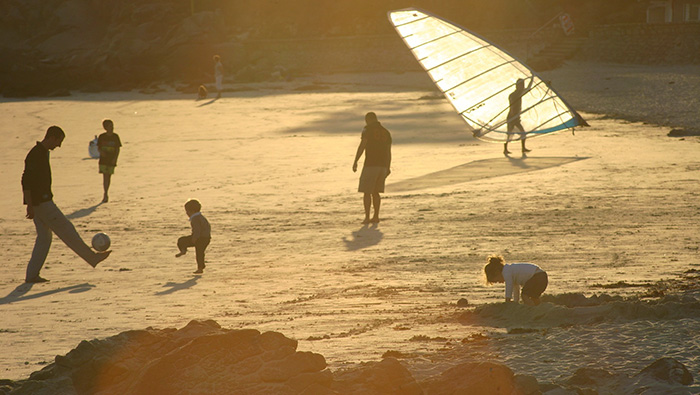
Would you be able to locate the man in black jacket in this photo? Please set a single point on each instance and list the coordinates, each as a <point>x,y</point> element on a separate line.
<point>48,219</point>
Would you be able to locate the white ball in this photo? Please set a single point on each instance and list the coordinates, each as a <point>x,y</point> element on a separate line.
<point>101,242</point>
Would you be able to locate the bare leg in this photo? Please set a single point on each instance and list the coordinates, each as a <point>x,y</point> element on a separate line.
<point>106,180</point>
<point>377,203</point>
<point>508,138</point>
<point>367,200</point>
<point>523,145</point>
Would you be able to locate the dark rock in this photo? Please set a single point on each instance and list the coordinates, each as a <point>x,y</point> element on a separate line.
<point>527,385</point>
<point>199,358</point>
<point>472,378</point>
<point>683,133</point>
<point>589,377</point>
<point>388,376</point>
<point>668,370</point>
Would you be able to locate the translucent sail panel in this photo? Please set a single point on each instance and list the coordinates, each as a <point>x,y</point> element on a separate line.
<point>478,77</point>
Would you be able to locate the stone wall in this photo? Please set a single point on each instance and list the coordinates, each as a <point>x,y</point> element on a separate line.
<point>669,43</point>
<point>328,55</point>
<point>629,43</point>
<point>379,53</point>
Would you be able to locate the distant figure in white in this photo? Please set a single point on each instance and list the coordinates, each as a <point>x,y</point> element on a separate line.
<point>219,75</point>
<point>376,144</point>
<point>515,101</point>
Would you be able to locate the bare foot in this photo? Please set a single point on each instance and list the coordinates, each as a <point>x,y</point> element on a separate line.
<point>366,221</point>
<point>105,199</point>
<point>101,256</point>
<point>179,254</point>
<point>526,150</point>
<point>506,152</point>
<point>198,271</point>
<point>530,301</point>
<point>374,220</point>
<point>37,279</point>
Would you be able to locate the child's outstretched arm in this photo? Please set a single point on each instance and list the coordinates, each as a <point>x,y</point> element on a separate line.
<point>509,288</point>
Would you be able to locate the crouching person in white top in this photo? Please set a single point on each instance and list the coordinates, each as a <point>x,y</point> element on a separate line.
<point>530,277</point>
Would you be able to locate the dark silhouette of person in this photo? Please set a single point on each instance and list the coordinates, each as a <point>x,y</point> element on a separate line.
<point>218,75</point>
<point>47,217</point>
<point>515,100</point>
<point>376,144</point>
<point>200,237</point>
<point>109,145</point>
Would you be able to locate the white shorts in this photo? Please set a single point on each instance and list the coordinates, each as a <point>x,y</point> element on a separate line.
<point>372,179</point>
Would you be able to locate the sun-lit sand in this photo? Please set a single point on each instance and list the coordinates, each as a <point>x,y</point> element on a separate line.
<point>271,164</point>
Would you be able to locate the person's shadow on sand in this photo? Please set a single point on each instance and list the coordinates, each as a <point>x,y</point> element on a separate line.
<point>83,212</point>
<point>479,170</point>
<point>519,162</point>
<point>174,287</point>
<point>18,294</point>
<point>367,236</point>
<point>209,102</point>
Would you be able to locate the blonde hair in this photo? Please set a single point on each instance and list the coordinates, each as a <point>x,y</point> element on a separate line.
<point>494,267</point>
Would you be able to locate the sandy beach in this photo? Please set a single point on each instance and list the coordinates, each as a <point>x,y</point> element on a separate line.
<point>612,209</point>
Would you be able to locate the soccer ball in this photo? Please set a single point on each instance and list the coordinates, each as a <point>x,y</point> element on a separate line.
<point>101,242</point>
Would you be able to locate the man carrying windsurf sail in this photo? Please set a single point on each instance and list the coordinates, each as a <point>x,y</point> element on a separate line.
<point>515,102</point>
<point>477,78</point>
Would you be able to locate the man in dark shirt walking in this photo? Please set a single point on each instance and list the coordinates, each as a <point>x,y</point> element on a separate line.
<point>376,144</point>
<point>48,219</point>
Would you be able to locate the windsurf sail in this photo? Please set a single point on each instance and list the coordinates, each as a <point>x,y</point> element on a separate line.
<point>477,78</point>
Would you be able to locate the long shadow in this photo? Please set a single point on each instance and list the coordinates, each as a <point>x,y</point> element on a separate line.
<point>366,236</point>
<point>477,170</point>
<point>209,102</point>
<point>19,294</point>
<point>83,212</point>
<point>426,126</point>
<point>174,287</point>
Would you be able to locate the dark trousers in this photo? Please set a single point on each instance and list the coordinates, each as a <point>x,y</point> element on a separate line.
<point>199,247</point>
<point>535,285</point>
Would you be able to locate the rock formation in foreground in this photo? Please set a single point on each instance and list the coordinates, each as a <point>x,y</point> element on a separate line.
<point>204,358</point>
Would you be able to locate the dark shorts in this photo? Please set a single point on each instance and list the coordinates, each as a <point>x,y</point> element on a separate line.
<point>372,179</point>
<point>535,285</point>
<point>106,169</point>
